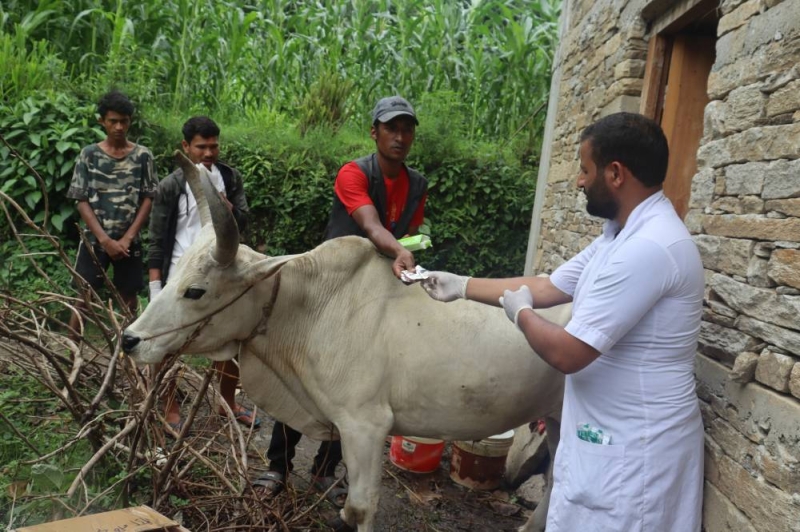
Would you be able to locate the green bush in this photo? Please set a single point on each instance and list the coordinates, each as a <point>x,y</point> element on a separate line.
<point>479,195</point>
<point>19,276</point>
<point>48,132</point>
<point>480,215</point>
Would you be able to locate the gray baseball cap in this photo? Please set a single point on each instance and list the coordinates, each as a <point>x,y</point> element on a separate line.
<point>391,107</point>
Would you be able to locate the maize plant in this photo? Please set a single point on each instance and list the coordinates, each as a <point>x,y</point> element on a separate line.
<point>233,58</point>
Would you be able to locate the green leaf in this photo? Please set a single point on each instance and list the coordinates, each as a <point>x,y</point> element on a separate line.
<point>32,198</point>
<point>47,474</point>
<point>14,134</point>
<point>5,173</point>
<point>66,167</point>
<point>58,221</point>
<point>63,146</point>
<point>70,132</point>
<point>36,139</point>
<point>8,185</point>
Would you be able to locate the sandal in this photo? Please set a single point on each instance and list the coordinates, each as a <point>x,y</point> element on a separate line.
<point>272,482</point>
<point>244,416</point>
<point>177,426</point>
<point>335,489</point>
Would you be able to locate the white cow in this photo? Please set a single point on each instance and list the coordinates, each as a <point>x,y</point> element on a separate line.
<point>331,343</point>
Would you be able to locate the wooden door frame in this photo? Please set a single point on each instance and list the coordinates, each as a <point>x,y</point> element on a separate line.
<point>665,18</point>
<point>673,76</point>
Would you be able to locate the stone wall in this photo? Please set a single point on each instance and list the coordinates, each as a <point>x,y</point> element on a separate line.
<point>603,60</point>
<point>745,215</point>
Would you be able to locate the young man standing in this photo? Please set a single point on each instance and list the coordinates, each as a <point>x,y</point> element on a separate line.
<point>380,198</point>
<point>114,183</point>
<point>629,349</point>
<point>174,226</point>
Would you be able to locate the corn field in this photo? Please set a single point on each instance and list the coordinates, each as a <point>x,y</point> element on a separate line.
<point>242,58</point>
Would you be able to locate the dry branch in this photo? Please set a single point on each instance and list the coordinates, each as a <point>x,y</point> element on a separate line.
<point>134,457</point>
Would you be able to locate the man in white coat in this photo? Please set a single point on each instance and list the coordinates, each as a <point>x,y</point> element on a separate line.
<point>631,451</point>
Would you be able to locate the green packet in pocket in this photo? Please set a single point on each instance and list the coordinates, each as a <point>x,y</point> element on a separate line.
<point>592,434</point>
<point>416,242</point>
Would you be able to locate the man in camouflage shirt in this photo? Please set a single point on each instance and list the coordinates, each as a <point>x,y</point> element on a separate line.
<point>114,183</point>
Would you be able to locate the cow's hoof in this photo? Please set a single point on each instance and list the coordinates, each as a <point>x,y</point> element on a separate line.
<point>337,524</point>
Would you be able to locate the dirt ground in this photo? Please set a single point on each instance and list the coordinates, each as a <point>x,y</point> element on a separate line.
<point>421,502</point>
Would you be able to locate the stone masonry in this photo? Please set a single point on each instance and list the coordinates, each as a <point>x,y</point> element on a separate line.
<point>744,213</point>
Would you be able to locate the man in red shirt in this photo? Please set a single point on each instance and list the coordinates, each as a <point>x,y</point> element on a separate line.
<point>380,198</point>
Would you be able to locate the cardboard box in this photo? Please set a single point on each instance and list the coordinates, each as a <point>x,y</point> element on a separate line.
<point>138,519</point>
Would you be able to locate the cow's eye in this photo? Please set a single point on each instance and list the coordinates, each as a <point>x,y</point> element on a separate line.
<point>194,293</point>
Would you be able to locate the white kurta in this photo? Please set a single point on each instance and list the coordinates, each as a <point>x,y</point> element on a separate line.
<point>637,299</point>
<point>188,224</point>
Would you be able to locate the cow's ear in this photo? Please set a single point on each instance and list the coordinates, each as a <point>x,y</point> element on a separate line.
<point>268,267</point>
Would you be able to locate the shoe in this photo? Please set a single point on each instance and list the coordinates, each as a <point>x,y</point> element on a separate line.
<point>272,482</point>
<point>177,426</point>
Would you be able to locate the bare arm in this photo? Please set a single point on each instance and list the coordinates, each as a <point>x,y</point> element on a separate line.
<point>367,219</point>
<point>488,291</point>
<point>554,344</point>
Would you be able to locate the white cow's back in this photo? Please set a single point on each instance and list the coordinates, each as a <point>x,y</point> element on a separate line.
<point>347,337</point>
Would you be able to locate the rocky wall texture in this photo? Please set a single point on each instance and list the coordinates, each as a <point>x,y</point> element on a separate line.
<point>604,57</point>
<point>744,214</point>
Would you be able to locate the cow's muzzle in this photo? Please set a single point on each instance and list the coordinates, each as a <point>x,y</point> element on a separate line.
<point>129,342</point>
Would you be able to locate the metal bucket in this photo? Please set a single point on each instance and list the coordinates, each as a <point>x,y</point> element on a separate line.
<point>480,464</point>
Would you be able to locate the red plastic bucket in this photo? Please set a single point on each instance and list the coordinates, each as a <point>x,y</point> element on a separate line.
<point>418,455</point>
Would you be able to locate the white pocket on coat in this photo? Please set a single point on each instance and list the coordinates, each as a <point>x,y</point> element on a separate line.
<point>595,475</point>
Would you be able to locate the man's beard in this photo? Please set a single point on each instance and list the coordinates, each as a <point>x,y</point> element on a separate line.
<point>600,203</point>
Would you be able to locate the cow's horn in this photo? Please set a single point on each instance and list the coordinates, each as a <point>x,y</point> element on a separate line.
<point>212,209</point>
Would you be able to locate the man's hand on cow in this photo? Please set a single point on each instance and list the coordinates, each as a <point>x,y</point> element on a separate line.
<point>516,301</point>
<point>155,288</point>
<point>403,261</point>
<point>444,286</point>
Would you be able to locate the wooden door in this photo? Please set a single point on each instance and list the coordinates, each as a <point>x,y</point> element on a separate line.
<point>685,98</point>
